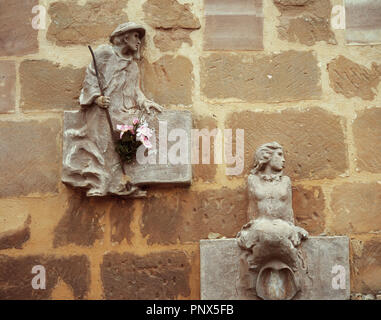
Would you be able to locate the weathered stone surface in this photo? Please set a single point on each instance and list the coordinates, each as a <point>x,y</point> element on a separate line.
<point>305,21</point>
<point>353,80</point>
<point>363,21</point>
<point>367,266</point>
<point>7,86</point>
<point>169,14</point>
<point>75,24</point>
<point>173,216</point>
<point>80,224</point>
<point>220,269</point>
<point>158,172</point>
<point>288,76</point>
<point>170,40</point>
<point>14,228</point>
<point>356,208</point>
<point>17,37</point>
<point>121,215</point>
<point>29,157</point>
<point>168,80</point>
<point>205,172</point>
<point>173,23</point>
<point>309,205</point>
<point>46,86</point>
<point>16,276</point>
<point>233,25</point>
<point>162,275</point>
<point>367,135</point>
<point>313,140</point>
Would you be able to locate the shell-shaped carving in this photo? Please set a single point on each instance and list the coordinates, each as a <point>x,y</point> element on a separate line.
<point>276,281</point>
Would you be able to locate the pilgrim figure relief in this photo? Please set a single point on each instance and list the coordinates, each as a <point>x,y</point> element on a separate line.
<point>111,96</point>
<point>270,239</point>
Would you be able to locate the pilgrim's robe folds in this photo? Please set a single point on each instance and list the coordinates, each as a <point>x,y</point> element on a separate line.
<point>91,161</point>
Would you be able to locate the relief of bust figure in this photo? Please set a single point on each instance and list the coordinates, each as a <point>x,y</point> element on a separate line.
<point>271,236</point>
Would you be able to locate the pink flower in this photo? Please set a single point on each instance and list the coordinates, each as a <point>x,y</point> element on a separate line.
<point>135,121</point>
<point>147,143</point>
<point>143,135</point>
<point>143,130</point>
<point>124,128</point>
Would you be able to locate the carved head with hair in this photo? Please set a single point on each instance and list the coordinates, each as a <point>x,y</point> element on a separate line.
<point>263,156</point>
<point>128,37</point>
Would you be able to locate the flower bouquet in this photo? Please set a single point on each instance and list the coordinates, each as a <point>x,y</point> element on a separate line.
<point>131,138</point>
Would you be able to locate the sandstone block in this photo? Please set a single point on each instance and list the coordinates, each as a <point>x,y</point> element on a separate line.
<point>205,172</point>
<point>363,22</point>
<point>170,40</point>
<point>367,266</point>
<point>47,86</point>
<point>287,76</point>
<point>309,205</point>
<point>14,226</point>
<point>80,224</point>
<point>233,25</point>
<point>182,215</point>
<point>367,135</point>
<point>305,21</point>
<point>29,157</point>
<point>356,208</point>
<point>121,215</point>
<point>173,22</point>
<point>7,86</point>
<point>353,80</point>
<point>220,269</point>
<point>313,140</point>
<point>16,276</point>
<point>75,24</point>
<point>162,275</point>
<point>17,36</point>
<point>168,80</point>
<point>169,14</point>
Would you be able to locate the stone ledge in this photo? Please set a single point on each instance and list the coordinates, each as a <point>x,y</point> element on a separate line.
<point>220,269</point>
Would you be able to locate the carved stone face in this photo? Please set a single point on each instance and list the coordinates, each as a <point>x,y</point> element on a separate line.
<point>277,160</point>
<point>132,41</point>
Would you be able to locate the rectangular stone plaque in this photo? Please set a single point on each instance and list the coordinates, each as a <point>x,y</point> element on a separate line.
<point>169,173</point>
<point>363,22</point>
<point>220,269</point>
<point>233,25</point>
<point>153,173</point>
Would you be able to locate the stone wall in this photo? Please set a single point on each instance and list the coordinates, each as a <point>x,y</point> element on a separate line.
<point>303,87</point>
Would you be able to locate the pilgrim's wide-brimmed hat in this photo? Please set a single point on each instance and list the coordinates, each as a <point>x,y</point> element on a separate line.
<point>128,26</point>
